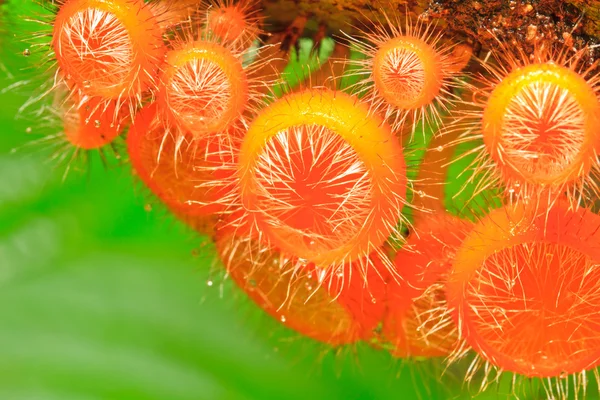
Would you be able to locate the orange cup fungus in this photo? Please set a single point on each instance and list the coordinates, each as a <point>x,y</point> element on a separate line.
<point>333,307</point>
<point>235,22</point>
<point>541,123</point>
<point>407,72</point>
<point>108,48</point>
<point>323,177</point>
<point>525,290</point>
<point>410,71</point>
<point>204,88</point>
<point>533,122</point>
<point>91,124</point>
<point>418,322</point>
<point>193,178</point>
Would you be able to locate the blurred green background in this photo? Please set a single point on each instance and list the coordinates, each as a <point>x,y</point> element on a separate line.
<point>102,297</point>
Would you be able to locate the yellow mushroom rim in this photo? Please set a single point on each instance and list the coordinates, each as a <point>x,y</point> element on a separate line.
<point>145,41</point>
<point>368,135</point>
<point>227,63</point>
<point>564,79</point>
<point>430,66</point>
<point>516,225</point>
